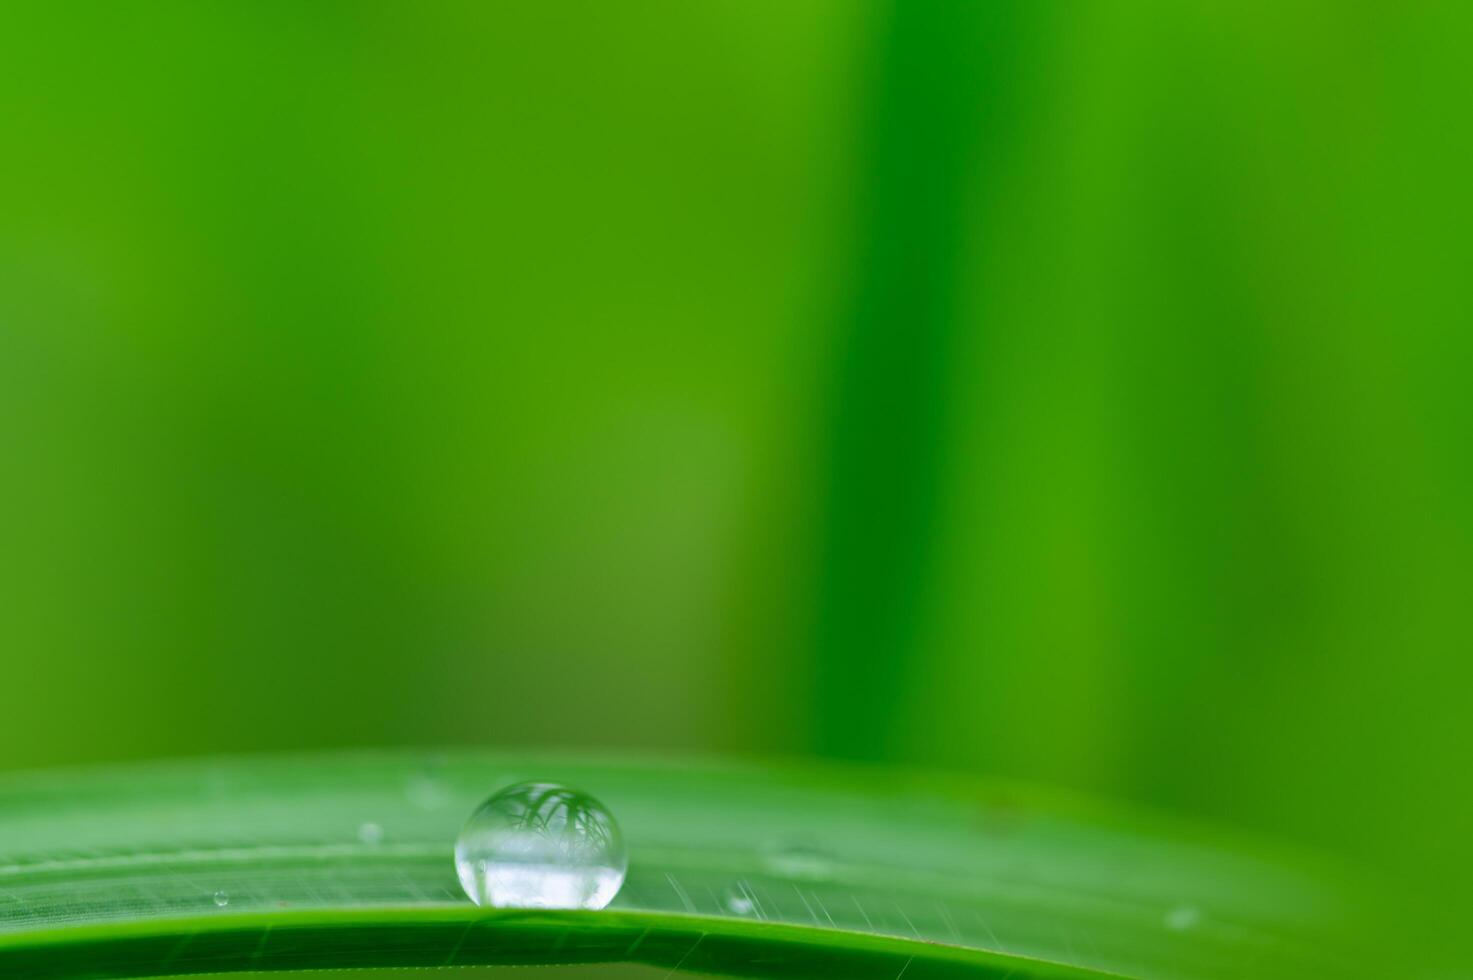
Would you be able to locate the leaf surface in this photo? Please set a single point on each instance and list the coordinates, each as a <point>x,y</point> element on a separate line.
<point>346,861</point>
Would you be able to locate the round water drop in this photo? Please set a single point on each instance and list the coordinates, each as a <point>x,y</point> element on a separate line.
<point>738,902</point>
<point>541,846</point>
<point>425,789</point>
<point>221,899</point>
<point>1183,917</point>
<point>800,859</point>
<point>370,833</point>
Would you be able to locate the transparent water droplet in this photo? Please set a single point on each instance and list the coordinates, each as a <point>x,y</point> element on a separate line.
<point>425,789</point>
<point>1183,917</point>
<point>738,902</point>
<point>800,860</point>
<point>221,899</point>
<point>370,833</point>
<point>541,845</point>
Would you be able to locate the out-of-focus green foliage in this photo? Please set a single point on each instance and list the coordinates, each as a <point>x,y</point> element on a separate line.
<point>1076,392</point>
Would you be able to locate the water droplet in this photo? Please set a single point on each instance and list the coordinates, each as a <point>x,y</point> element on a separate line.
<point>738,902</point>
<point>222,899</point>
<point>800,860</point>
<point>370,833</point>
<point>541,845</point>
<point>1183,917</point>
<point>426,790</point>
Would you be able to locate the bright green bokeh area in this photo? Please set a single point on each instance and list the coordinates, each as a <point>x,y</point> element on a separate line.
<point>1077,393</point>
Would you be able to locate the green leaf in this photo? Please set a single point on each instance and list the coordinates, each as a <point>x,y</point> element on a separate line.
<point>345,861</point>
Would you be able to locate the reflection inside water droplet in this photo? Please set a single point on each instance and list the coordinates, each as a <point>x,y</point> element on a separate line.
<point>222,899</point>
<point>541,845</point>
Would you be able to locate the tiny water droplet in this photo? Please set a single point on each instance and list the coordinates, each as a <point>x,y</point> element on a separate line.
<point>426,791</point>
<point>370,833</point>
<point>1183,917</point>
<point>222,899</point>
<point>541,845</point>
<point>738,902</point>
<point>800,860</point>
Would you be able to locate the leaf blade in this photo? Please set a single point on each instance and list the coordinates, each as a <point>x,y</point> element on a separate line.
<point>731,870</point>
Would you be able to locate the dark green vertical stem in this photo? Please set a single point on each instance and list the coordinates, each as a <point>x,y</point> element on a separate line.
<point>942,92</point>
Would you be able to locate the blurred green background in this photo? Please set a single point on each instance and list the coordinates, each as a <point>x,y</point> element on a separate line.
<point>1070,392</point>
